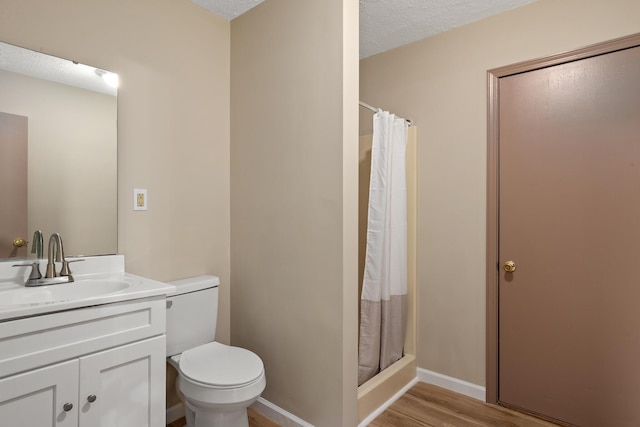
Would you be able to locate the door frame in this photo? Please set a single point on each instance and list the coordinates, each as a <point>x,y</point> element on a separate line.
<point>493,174</point>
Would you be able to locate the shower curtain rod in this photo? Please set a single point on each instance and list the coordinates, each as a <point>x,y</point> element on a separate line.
<point>375,110</point>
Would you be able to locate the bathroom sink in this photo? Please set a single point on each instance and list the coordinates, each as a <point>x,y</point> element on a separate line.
<point>98,281</point>
<point>80,289</point>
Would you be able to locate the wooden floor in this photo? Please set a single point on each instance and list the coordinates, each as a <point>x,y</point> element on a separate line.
<point>255,420</point>
<point>426,405</point>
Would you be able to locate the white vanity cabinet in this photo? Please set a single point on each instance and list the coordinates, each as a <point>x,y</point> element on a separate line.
<point>124,386</point>
<point>101,366</point>
<point>36,398</point>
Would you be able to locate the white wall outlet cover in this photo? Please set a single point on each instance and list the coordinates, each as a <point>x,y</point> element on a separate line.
<point>140,201</point>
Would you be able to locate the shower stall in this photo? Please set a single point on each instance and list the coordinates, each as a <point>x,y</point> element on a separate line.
<point>400,375</point>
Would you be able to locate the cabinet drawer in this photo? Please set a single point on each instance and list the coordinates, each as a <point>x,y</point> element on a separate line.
<point>42,340</point>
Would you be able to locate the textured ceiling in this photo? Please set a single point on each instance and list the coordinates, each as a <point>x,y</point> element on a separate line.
<point>387,24</point>
<point>41,66</point>
<point>228,9</point>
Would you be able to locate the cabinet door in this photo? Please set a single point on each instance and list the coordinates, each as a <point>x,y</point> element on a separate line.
<point>124,386</point>
<point>37,398</point>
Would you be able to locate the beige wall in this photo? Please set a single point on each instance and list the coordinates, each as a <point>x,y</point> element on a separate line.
<point>72,138</point>
<point>173,121</point>
<point>440,83</point>
<point>294,166</point>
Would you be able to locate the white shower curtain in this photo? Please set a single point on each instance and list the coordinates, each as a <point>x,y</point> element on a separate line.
<point>383,316</point>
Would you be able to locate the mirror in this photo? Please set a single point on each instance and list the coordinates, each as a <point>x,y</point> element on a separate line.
<point>58,154</point>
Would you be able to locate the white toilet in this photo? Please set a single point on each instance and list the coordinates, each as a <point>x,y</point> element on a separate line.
<point>216,382</point>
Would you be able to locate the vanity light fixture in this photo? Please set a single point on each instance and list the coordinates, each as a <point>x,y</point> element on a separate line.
<point>109,78</point>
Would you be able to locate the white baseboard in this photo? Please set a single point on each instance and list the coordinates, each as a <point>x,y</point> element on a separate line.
<point>459,386</point>
<point>277,414</point>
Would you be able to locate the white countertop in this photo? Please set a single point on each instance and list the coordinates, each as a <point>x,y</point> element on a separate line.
<point>105,273</point>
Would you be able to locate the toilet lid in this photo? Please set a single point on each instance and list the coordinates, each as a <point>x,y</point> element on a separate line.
<point>221,365</point>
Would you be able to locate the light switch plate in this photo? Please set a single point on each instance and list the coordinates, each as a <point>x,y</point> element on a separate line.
<point>140,200</point>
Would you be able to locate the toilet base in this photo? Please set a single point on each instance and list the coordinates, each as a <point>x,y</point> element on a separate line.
<point>234,416</point>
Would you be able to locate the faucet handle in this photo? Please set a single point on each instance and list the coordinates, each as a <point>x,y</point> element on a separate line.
<point>65,271</point>
<point>35,270</point>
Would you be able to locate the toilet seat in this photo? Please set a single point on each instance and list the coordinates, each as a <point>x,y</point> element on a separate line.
<point>220,366</point>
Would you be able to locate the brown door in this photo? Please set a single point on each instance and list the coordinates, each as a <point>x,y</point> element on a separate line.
<point>13,184</point>
<point>569,218</point>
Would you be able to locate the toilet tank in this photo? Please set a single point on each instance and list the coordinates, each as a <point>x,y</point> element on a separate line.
<point>192,311</point>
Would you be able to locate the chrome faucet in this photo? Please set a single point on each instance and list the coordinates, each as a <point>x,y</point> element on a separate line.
<point>56,254</point>
<point>37,246</point>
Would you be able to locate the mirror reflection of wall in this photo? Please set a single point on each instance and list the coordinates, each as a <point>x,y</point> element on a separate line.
<point>72,159</point>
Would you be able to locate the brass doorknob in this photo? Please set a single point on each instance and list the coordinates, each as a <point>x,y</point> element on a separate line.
<point>19,242</point>
<point>509,266</point>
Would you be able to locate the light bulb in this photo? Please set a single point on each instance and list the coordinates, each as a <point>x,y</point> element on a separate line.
<point>109,78</point>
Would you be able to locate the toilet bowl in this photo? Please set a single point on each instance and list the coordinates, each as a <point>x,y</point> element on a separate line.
<point>216,382</point>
